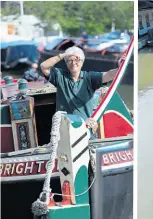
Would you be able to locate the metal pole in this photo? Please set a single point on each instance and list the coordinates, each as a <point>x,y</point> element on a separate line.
<point>21,8</point>
<point>98,187</point>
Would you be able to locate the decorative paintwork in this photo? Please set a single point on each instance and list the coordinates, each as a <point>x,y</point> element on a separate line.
<point>23,123</point>
<point>38,163</point>
<point>117,159</point>
<point>8,79</point>
<point>76,121</point>
<point>21,109</point>
<point>23,135</point>
<point>107,98</point>
<point>25,167</point>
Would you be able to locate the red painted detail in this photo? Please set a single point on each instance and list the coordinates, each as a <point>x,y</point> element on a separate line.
<point>119,157</point>
<point>31,84</point>
<point>2,82</point>
<point>51,202</point>
<point>66,191</point>
<point>7,143</point>
<point>28,168</point>
<point>115,125</point>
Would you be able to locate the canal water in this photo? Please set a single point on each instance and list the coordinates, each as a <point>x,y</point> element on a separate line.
<point>145,135</point>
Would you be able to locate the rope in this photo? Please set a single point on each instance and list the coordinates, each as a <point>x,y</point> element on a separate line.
<point>40,206</point>
<point>80,193</point>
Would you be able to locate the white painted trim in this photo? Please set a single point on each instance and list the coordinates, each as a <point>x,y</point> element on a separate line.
<point>6,126</point>
<point>115,166</point>
<point>119,75</point>
<point>27,178</point>
<point>68,206</point>
<point>25,158</point>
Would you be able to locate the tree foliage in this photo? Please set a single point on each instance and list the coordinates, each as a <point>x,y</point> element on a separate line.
<point>95,17</point>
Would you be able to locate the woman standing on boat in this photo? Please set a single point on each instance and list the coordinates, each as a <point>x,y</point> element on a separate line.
<point>75,88</point>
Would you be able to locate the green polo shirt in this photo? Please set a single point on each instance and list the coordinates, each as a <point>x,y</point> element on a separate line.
<point>75,97</point>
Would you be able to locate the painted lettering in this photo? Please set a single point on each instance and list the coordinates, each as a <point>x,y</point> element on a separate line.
<point>13,167</point>
<point>7,169</point>
<point>122,156</point>
<point>111,157</point>
<point>105,159</point>
<point>129,155</point>
<point>28,166</point>
<point>1,168</point>
<point>39,165</point>
<point>116,154</point>
<point>19,168</point>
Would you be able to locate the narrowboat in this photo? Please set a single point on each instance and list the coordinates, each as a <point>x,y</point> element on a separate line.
<point>50,167</point>
<point>18,54</point>
<point>145,26</point>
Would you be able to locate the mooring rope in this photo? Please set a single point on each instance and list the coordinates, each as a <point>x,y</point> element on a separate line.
<point>40,206</point>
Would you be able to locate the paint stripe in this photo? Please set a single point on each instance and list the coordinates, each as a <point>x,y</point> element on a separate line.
<point>114,166</point>
<point>80,154</point>
<point>121,71</point>
<point>78,140</point>
<point>5,126</point>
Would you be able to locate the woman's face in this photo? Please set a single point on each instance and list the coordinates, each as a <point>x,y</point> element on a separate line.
<point>74,63</point>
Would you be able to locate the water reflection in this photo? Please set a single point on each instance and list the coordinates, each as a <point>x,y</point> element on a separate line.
<point>145,155</point>
<point>145,134</point>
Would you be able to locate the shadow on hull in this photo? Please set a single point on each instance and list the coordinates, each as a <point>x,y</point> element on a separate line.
<point>118,197</point>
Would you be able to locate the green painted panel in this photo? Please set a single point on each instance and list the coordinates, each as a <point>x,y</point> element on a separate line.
<point>81,185</point>
<point>5,115</point>
<point>118,105</point>
<point>76,120</point>
<point>67,212</point>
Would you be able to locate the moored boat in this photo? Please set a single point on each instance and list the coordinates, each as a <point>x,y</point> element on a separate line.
<point>18,54</point>
<point>26,123</point>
